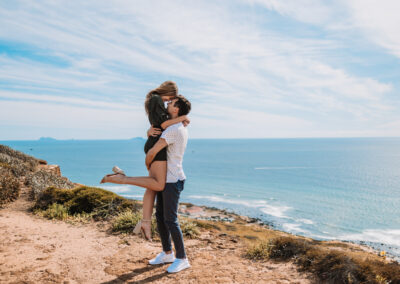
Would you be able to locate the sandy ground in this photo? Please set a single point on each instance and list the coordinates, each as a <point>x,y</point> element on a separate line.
<point>37,250</point>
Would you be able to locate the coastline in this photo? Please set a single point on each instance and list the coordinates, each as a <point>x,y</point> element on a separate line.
<point>303,200</point>
<point>270,254</point>
<point>211,213</point>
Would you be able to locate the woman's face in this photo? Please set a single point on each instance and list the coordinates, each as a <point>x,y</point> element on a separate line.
<point>167,98</point>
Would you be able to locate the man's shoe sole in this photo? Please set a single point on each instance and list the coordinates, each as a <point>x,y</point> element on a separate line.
<point>164,262</point>
<point>180,270</point>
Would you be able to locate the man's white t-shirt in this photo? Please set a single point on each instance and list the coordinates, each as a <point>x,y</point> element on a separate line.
<point>176,137</point>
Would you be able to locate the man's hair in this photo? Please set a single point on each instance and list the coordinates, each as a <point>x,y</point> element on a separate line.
<point>183,104</point>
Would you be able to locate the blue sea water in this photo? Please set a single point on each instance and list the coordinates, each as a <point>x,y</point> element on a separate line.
<point>336,188</point>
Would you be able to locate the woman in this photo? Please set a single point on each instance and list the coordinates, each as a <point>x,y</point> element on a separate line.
<point>159,120</point>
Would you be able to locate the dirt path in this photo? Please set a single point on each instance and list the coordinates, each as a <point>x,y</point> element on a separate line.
<point>36,250</point>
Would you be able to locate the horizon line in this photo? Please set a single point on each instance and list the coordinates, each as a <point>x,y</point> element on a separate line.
<point>50,139</point>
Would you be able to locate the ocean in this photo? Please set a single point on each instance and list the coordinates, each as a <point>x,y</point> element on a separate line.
<point>332,188</point>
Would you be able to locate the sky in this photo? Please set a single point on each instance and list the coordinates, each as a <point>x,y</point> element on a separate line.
<point>251,68</point>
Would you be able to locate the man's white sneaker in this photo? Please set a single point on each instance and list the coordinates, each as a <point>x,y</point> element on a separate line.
<point>162,258</point>
<point>178,265</point>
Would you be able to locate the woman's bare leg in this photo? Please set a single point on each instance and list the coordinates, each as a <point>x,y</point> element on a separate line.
<point>158,171</point>
<point>148,203</point>
<point>156,180</point>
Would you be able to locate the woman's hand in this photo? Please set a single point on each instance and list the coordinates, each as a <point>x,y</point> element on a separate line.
<point>186,122</point>
<point>184,119</point>
<point>153,131</point>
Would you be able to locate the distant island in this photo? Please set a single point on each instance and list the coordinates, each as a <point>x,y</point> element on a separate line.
<point>44,139</point>
<point>137,139</point>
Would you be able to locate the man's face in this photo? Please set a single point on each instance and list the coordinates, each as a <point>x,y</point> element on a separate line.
<point>171,108</point>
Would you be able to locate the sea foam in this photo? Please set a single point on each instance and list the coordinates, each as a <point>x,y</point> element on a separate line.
<point>262,205</point>
<point>389,237</point>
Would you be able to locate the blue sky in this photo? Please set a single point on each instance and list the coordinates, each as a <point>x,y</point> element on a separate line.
<point>252,69</point>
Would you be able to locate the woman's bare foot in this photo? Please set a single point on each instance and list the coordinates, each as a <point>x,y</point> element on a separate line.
<point>146,229</point>
<point>114,178</point>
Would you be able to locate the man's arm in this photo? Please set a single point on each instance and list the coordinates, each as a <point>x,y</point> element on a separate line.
<point>161,144</point>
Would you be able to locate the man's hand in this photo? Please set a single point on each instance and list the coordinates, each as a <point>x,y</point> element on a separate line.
<point>153,131</point>
<point>161,143</point>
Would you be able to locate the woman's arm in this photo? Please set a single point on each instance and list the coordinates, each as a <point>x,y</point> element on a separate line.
<point>169,122</point>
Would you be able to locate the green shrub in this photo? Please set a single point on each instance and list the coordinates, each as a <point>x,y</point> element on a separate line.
<point>9,186</point>
<point>56,211</point>
<point>53,195</point>
<point>189,228</point>
<point>99,202</point>
<point>125,221</point>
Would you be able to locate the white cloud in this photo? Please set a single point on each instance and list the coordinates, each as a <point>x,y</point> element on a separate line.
<point>379,20</point>
<point>109,54</point>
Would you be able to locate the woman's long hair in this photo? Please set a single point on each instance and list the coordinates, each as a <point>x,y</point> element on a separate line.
<point>168,88</point>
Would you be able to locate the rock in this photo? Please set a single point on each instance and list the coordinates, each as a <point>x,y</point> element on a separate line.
<point>42,179</point>
<point>42,162</point>
<point>191,211</point>
<point>53,169</point>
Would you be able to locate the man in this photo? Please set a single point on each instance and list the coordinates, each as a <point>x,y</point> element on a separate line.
<point>175,137</point>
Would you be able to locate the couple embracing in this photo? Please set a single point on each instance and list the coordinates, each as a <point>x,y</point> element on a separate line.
<point>165,147</point>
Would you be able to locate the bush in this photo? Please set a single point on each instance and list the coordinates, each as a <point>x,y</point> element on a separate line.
<point>56,211</point>
<point>330,265</point>
<point>18,155</point>
<point>284,248</point>
<point>260,251</point>
<point>20,162</point>
<point>126,221</point>
<point>9,186</point>
<point>18,167</point>
<point>99,202</point>
<point>189,228</point>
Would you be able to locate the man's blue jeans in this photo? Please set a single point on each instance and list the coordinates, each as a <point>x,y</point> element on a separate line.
<point>167,218</point>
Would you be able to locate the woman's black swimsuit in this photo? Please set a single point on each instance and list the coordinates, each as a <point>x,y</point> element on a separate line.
<point>157,115</point>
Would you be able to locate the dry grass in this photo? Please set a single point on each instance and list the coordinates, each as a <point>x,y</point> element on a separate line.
<point>208,225</point>
<point>19,163</point>
<point>189,228</point>
<point>9,185</point>
<point>329,263</point>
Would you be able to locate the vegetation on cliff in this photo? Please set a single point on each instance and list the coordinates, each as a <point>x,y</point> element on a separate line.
<point>330,262</point>
<point>14,165</point>
<point>9,184</point>
<point>99,203</point>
